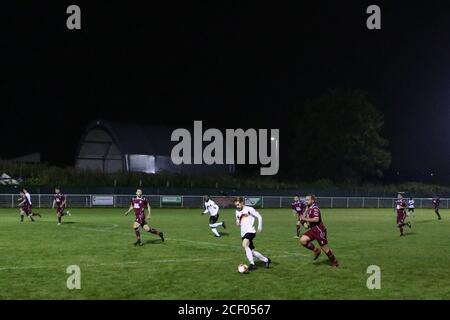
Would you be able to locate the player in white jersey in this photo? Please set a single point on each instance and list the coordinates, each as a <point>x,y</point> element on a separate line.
<point>245,218</point>
<point>213,209</point>
<point>30,204</point>
<point>410,206</point>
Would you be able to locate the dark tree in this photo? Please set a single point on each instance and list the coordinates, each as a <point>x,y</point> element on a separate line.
<point>338,137</point>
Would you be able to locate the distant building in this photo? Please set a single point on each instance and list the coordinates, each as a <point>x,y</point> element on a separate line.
<point>113,147</point>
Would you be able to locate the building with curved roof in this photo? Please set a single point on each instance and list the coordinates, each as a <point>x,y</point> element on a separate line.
<point>110,147</point>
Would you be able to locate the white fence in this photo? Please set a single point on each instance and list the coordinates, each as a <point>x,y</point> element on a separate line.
<point>188,201</point>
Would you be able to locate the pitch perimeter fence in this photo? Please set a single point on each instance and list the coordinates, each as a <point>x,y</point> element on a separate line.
<point>189,201</point>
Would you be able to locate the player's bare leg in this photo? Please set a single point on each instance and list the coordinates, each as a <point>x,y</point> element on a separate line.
<point>249,254</point>
<point>307,243</point>
<point>154,231</point>
<point>22,214</point>
<point>330,255</point>
<point>58,216</point>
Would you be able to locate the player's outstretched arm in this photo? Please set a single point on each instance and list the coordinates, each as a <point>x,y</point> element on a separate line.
<point>260,220</point>
<point>129,209</point>
<point>315,219</point>
<point>149,209</point>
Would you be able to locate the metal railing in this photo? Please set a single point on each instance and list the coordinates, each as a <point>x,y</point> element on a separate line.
<point>189,201</point>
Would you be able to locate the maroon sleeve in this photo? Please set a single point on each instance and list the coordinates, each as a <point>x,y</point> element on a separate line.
<point>314,212</point>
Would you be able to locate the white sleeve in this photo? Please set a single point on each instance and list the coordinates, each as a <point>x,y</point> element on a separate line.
<point>256,214</point>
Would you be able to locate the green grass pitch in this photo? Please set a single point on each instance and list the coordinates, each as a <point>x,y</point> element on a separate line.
<point>193,264</point>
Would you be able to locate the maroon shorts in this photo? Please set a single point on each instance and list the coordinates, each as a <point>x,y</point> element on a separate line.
<point>401,216</point>
<point>316,233</point>
<point>60,210</point>
<point>141,220</point>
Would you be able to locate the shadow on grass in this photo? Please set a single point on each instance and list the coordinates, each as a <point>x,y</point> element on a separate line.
<point>322,262</point>
<point>153,241</point>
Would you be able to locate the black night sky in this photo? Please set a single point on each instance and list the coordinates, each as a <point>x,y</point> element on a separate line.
<point>230,64</point>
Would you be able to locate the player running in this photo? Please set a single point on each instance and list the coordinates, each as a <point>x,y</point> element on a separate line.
<point>436,201</point>
<point>401,213</point>
<point>245,218</point>
<point>24,207</point>
<point>213,209</point>
<point>317,231</point>
<point>59,200</point>
<point>410,206</point>
<point>298,208</point>
<point>139,204</point>
<point>30,205</point>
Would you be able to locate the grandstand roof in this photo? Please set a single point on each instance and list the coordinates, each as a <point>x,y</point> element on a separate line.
<point>135,138</point>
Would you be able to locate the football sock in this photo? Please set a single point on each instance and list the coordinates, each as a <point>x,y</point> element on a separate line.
<point>59,219</point>
<point>154,231</point>
<point>214,230</point>
<point>260,256</point>
<point>437,213</point>
<point>309,246</point>
<point>138,233</point>
<point>215,225</point>
<point>21,218</point>
<point>298,230</point>
<point>249,254</point>
<point>330,255</point>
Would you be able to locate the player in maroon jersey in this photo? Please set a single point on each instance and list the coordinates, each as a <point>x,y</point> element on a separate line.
<point>401,213</point>
<point>436,201</point>
<point>24,207</point>
<point>29,204</point>
<point>139,204</point>
<point>317,231</point>
<point>59,200</point>
<point>298,208</point>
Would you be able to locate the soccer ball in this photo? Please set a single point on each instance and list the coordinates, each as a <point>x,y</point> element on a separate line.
<point>242,268</point>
